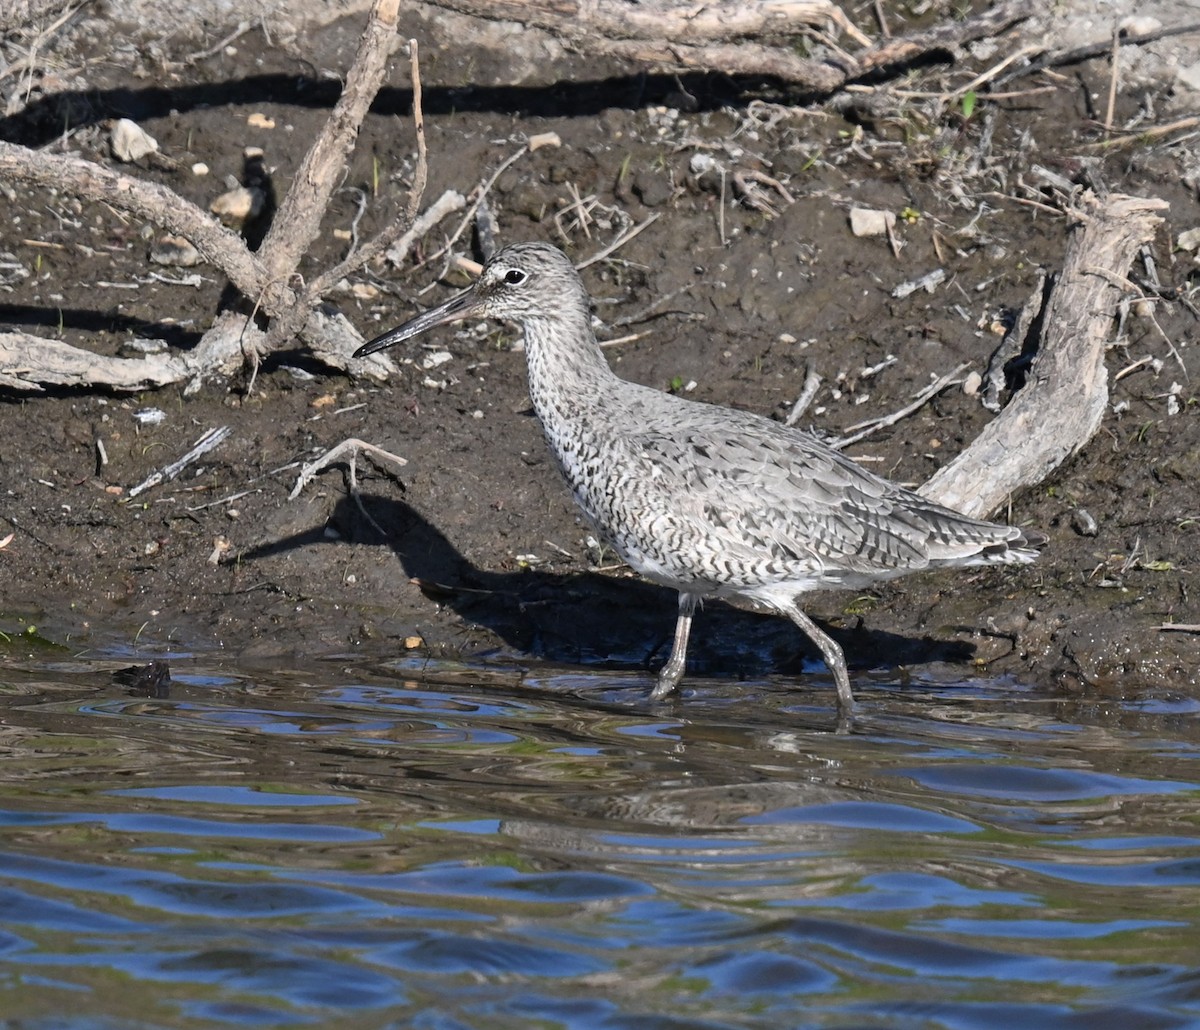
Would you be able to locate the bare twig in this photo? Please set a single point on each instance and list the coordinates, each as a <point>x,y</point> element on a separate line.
<point>351,448</point>
<point>1086,53</point>
<point>421,174</point>
<point>477,196</point>
<point>865,429</point>
<point>298,219</point>
<point>618,243</point>
<point>210,439</point>
<point>400,234</point>
<point>242,28</point>
<point>812,383</point>
<point>1144,136</point>
<point>1113,78</point>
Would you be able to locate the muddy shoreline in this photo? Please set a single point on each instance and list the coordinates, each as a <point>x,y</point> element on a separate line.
<point>483,555</point>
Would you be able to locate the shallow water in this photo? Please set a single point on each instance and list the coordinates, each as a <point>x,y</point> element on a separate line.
<point>355,845</point>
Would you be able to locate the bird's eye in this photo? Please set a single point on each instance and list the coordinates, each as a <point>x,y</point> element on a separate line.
<point>514,277</point>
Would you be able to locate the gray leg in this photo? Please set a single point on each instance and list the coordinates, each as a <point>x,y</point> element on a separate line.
<point>672,672</point>
<point>830,652</point>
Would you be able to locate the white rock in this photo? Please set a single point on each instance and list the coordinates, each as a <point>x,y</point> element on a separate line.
<point>544,139</point>
<point>1189,239</point>
<point>237,206</point>
<point>867,222</point>
<point>176,251</point>
<point>1189,76</point>
<point>438,357</point>
<point>130,142</point>
<point>1138,25</point>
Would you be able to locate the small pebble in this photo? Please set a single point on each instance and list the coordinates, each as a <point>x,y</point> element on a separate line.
<point>1139,25</point>
<point>437,357</point>
<point>139,347</point>
<point>175,251</point>
<point>1083,523</point>
<point>868,222</point>
<point>1189,240</point>
<point>130,142</point>
<point>238,206</point>
<point>544,139</point>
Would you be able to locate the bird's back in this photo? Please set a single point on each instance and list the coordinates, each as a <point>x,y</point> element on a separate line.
<point>694,495</point>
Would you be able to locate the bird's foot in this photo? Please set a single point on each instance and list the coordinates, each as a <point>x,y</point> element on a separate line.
<point>667,683</point>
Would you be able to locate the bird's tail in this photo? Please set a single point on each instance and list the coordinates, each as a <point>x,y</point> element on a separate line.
<point>956,539</point>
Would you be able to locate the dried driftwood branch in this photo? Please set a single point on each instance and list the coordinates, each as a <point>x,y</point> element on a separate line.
<point>267,278</point>
<point>688,23</point>
<point>729,37</point>
<point>1066,393</point>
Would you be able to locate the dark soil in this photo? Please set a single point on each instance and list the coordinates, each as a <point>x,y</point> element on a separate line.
<point>483,552</point>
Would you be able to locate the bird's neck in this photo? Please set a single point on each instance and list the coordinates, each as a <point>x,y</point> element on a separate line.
<point>567,370</point>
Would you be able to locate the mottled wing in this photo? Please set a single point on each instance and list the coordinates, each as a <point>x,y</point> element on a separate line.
<point>769,491</point>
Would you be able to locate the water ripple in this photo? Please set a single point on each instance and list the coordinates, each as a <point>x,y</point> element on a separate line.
<point>439,846</point>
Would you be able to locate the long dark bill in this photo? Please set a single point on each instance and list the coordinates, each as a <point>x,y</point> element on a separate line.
<point>460,306</point>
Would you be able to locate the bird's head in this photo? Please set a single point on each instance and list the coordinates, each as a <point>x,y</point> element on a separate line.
<point>521,282</point>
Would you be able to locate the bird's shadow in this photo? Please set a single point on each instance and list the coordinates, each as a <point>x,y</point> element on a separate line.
<point>603,620</point>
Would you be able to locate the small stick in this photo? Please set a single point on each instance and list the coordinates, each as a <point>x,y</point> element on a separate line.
<point>867,428</point>
<point>391,238</point>
<point>943,95</point>
<point>1128,370</point>
<point>223,500</point>
<point>210,439</point>
<point>360,200</point>
<point>721,211</point>
<point>421,174</point>
<point>1091,50</point>
<point>1145,135</point>
<point>354,447</point>
<point>627,338</point>
<point>1113,77</point>
<point>894,243</point>
<point>1022,200</point>
<point>618,243</point>
<point>653,309</point>
<point>880,17</point>
<point>242,28</point>
<point>1167,340</point>
<point>812,383</point>
<point>481,191</point>
<point>486,230</point>
<point>1180,627</point>
<point>995,70</point>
